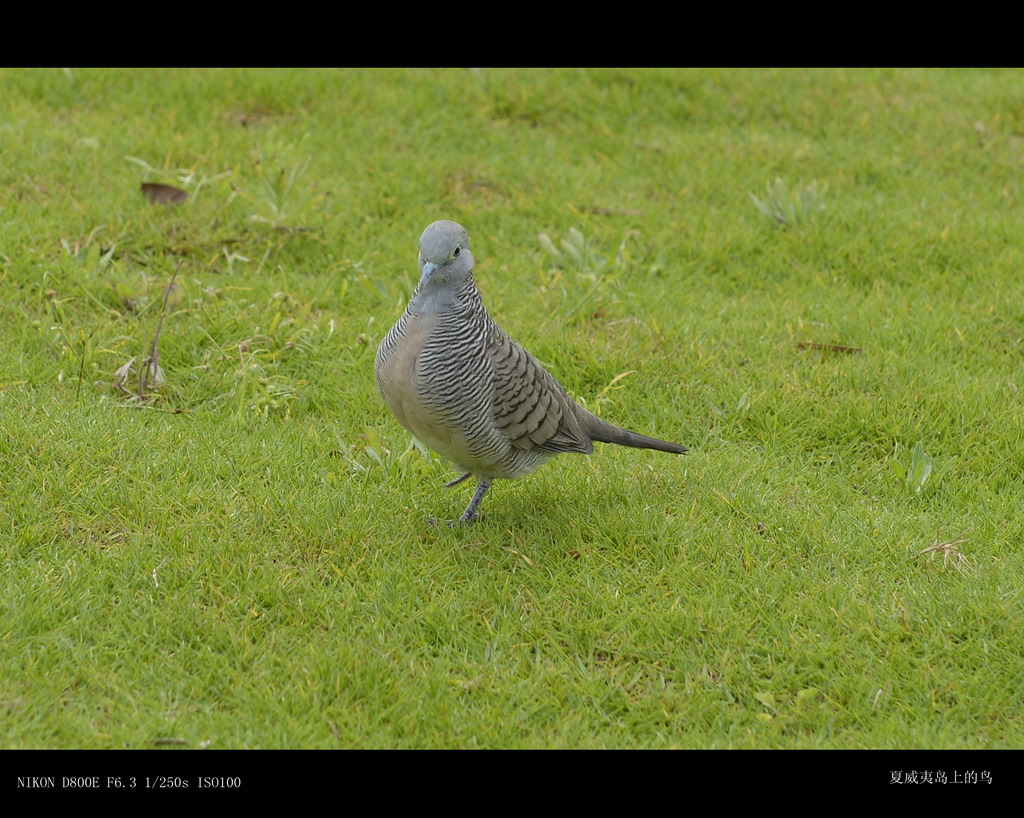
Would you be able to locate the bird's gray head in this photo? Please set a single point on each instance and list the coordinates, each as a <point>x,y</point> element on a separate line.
<point>444,259</point>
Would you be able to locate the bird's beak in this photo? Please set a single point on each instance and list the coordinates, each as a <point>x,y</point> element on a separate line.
<point>429,268</point>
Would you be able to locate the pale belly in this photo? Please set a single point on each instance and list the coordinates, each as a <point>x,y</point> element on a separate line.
<point>405,398</point>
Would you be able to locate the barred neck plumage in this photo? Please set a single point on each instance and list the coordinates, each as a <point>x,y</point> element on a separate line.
<point>436,299</point>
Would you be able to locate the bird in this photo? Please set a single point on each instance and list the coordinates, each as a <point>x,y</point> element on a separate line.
<point>465,389</point>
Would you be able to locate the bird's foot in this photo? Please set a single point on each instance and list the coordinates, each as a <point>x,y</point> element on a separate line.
<point>470,515</point>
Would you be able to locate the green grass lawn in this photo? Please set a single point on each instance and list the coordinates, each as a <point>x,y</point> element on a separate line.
<point>245,558</point>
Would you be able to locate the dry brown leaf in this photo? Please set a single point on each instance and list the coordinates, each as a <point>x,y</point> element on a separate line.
<point>163,194</point>
<point>122,375</point>
<point>829,347</point>
<point>613,211</point>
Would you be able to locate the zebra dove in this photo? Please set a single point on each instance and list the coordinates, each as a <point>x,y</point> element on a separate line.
<point>465,389</point>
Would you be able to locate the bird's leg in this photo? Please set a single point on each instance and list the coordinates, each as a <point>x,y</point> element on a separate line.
<point>457,480</point>
<point>469,515</point>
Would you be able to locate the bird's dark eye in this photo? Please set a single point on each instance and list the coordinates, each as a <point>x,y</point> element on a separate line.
<point>457,251</point>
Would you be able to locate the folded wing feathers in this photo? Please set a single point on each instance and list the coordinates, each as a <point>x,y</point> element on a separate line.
<point>530,407</point>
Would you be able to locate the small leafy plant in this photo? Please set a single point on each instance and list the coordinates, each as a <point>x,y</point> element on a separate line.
<point>914,476</point>
<point>374,454</point>
<point>284,191</point>
<point>595,274</point>
<point>572,250</point>
<point>789,208</point>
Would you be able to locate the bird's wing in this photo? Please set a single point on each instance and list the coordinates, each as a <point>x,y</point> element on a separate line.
<point>530,407</point>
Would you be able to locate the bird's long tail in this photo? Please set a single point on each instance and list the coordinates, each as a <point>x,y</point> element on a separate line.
<point>607,433</point>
